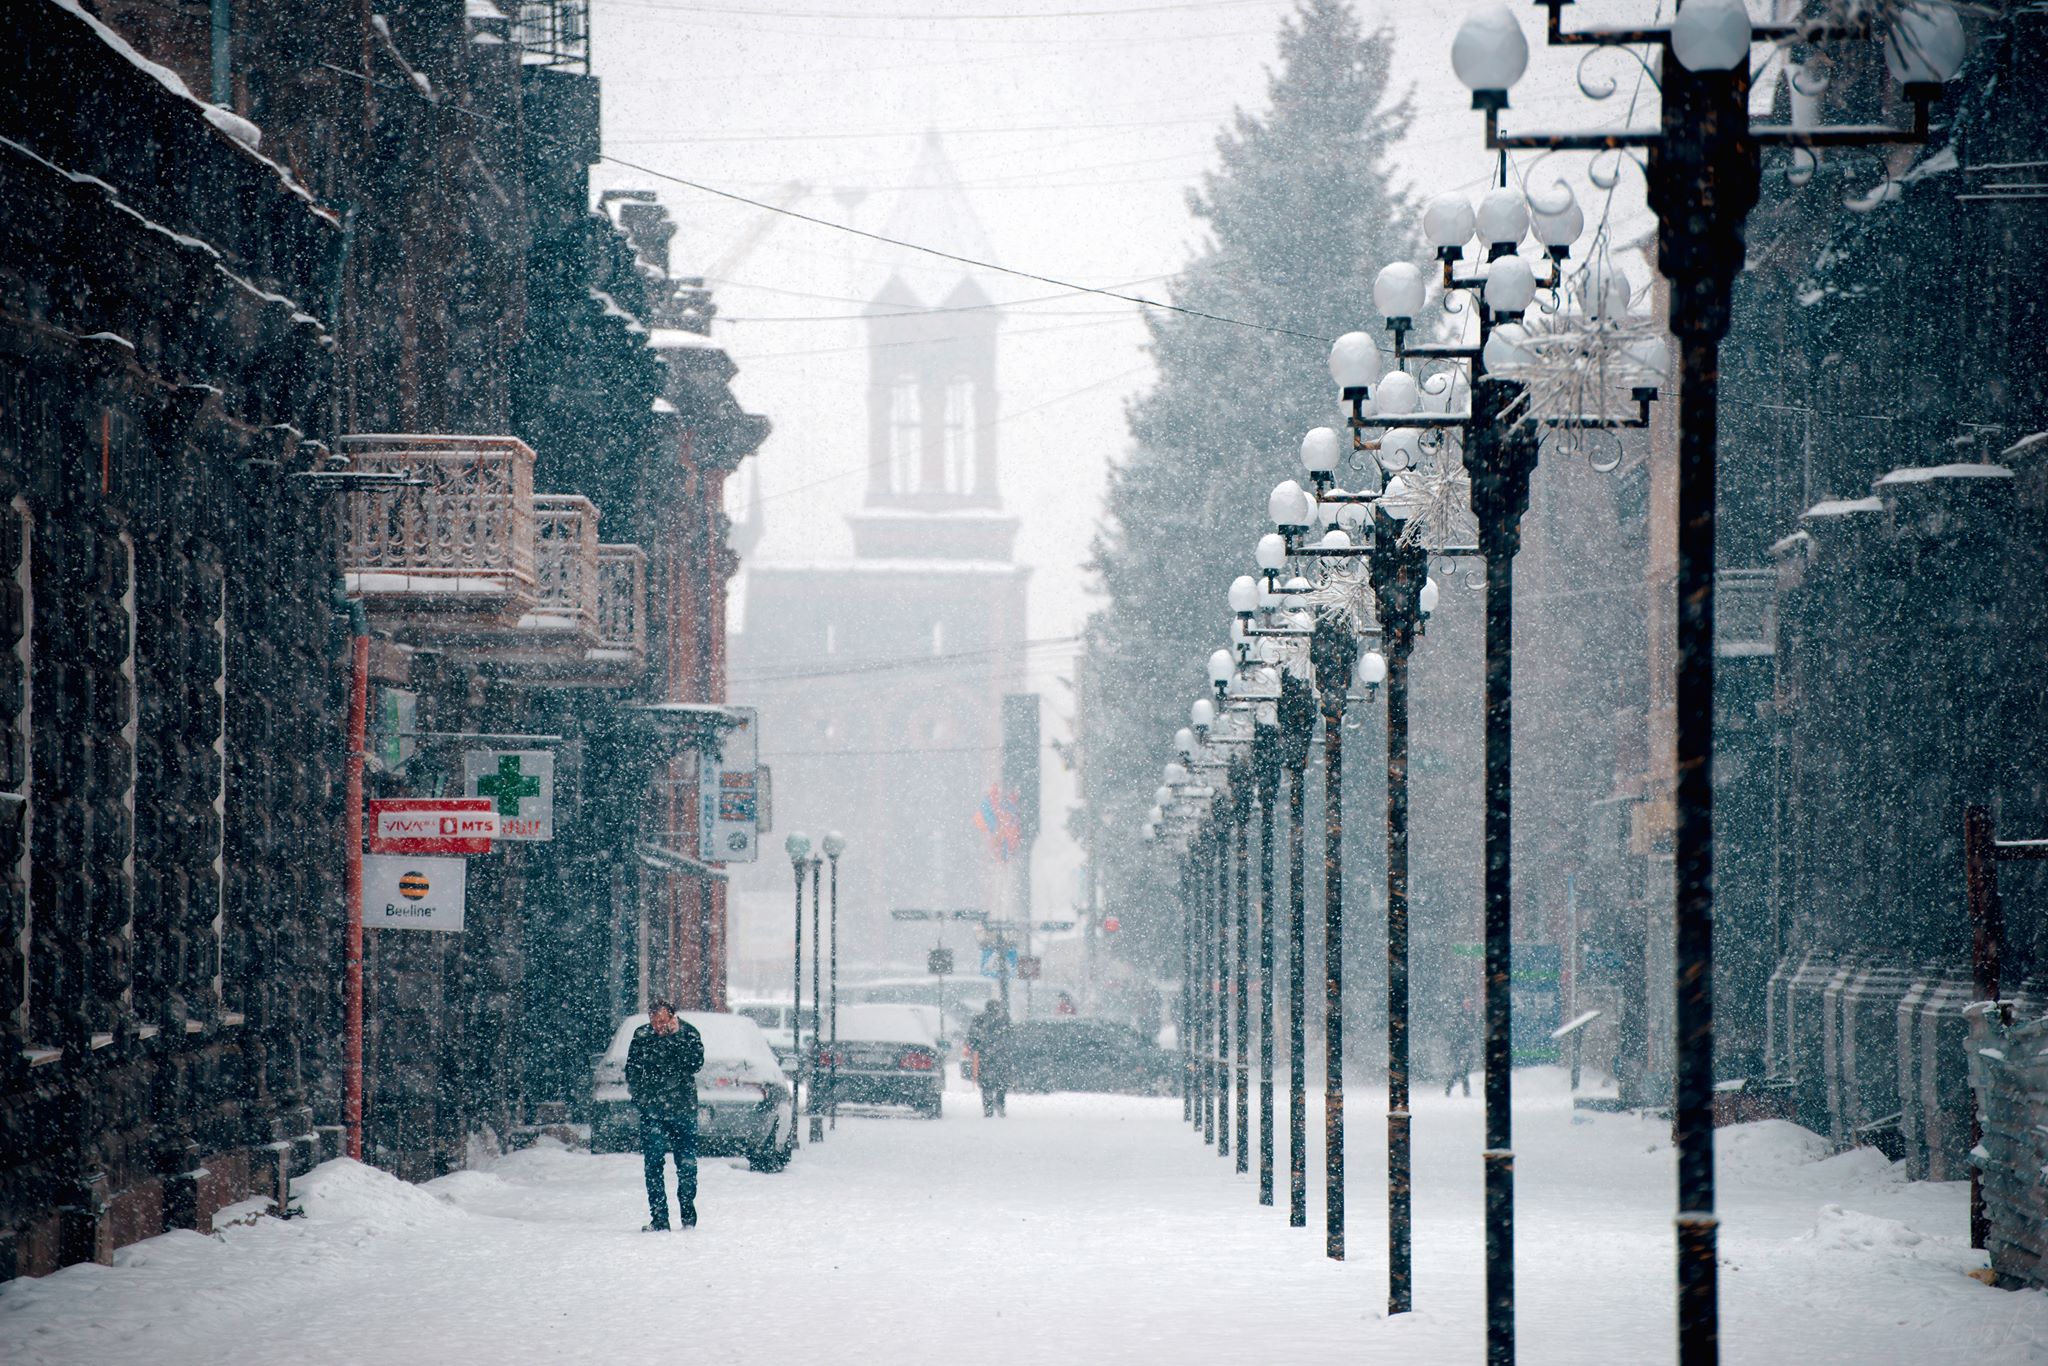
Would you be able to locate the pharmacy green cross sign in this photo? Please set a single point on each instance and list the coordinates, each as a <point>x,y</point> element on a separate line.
<point>520,783</point>
<point>508,785</point>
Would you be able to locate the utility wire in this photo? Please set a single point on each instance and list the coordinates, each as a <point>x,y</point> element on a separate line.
<point>766,207</point>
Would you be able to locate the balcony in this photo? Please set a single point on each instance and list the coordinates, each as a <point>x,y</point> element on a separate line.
<point>456,548</point>
<point>468,560</point>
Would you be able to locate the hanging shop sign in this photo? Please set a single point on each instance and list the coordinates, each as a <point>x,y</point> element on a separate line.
<point>520,783</point>
<point>433,825</point>
<point>729,795</point>
<point>411,892</point>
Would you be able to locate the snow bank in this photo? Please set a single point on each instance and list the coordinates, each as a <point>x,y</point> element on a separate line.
<point>1846,1230</point>
<point>1767,1146</point>
<point>347,1191</point>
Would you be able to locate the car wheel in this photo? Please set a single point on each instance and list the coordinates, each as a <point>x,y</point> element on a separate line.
<point>935,1107</point>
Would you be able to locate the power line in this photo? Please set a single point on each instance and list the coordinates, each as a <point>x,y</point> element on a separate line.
<point>966,17</point>
<point>827,223</point>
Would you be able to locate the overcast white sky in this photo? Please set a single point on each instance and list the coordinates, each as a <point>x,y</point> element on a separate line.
<point>1077,135</point>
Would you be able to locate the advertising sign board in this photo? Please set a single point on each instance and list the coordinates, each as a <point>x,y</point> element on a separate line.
<point>411,892</point>
<point>432,825</point>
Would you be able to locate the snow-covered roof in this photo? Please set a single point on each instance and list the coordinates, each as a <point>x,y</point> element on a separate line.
<point>613,309</point>
<point>230,125</point>
<point>677,339</point>
<point>1843,507</point>
<point>1921,474</point>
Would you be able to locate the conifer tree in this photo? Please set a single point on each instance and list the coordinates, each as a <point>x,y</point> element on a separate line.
<point>1300,213</point>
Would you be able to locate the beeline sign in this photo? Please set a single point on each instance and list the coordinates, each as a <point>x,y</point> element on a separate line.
<point>433,825</point>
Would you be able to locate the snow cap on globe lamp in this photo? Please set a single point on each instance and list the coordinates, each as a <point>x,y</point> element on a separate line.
<point>1319,451</point>
<point>1396,395</point>
<point>1490,53</point>
<point>798,847</point>
<point>1426,599</point>
<point>1156,815</point>
<point>1400,448</point>
<point>1926,44</point>
<point>1287,505</point>
<point>1334,539</point>
<point>1244,595</point>
<point>835,844</point>
<point>1355,362</point>
<point>1184,741</point>
<point>1174,772</point>
<point>1350,516</point>
<point>1161,795</point>
<point>1505,354</point>
<point>1372,668</point>
<point>1503,218</point>
<point>1398,291</point>
<point>1443,389</point>
<point>1448,221</point>
<point>1202,714</point>
<point>1558,219</point>
<point>1711,35</point>
<point>1221,666</point>
<point>1396,502</point>
<point>1510,285</point>
<point>1271,552</point>
<point>1148,832</point>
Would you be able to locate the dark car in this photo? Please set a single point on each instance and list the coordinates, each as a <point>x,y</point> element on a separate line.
<point>885,1055</point>
<point>1070,1054</point>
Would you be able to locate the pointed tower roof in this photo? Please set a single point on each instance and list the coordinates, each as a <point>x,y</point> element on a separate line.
<point>933,210</point>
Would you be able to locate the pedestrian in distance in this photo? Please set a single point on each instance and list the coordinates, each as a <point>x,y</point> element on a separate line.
<point>661,1076</point>
<point>988,1038</point>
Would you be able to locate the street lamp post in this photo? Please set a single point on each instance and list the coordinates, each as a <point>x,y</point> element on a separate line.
<point>798,847</point>
<point>1333,651</point>
<point>817,1002</point>
<point>835,845</point>
<point>1266,775</point>
<point>1297,715</point>
<point>1240,825</point>
<point>1704,168</point>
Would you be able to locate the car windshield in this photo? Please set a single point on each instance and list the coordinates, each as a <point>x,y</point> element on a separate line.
<point>887,1023</point>
<point>729,1039</point>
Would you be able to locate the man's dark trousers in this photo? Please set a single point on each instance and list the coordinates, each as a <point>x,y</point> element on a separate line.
<point>660,1135</point>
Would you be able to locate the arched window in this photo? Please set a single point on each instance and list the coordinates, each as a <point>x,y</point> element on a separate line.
<point>906,432</point>
<point>959,435</point>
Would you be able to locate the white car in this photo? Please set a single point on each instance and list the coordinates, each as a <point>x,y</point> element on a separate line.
<point>745,1106</point>
<point>773,1017</point>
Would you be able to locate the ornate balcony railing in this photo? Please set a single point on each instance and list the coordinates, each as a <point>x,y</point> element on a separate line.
<point>565,567</point>
<point>458,540</point>
<point>621,608</point>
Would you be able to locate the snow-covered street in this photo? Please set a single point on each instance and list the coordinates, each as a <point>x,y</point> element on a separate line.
<point>1083,1228</point>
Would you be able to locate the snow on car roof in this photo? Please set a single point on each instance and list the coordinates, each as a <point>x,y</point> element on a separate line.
<point>884,1021</point>
<point>727,1038</point>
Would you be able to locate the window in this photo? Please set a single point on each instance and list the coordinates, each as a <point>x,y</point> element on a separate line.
<point>906,437</point>
<point>959,435</point>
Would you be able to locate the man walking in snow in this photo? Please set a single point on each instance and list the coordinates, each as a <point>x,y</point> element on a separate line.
<point>989,1039</point>
<point>661,1076</point>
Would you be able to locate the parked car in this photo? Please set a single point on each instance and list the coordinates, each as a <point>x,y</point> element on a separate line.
<point>744,1102</point>
<point>1073,1054</point>
<point>886,1055</point>
<point>773,1017</point>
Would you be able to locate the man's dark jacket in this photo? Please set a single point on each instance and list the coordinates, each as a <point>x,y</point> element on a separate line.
<point>661,1069</point>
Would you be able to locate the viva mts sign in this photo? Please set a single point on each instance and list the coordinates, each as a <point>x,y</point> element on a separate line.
<point>433,825</point>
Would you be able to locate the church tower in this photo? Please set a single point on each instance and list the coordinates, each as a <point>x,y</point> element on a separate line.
<point>880,677</point>
<point>933,488</point>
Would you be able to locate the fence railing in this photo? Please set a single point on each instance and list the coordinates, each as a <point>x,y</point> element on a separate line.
<point>565,560</point>
<point>459,537</point>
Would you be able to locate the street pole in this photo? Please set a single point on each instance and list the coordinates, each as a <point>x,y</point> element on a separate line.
<point>817,1002</point>
<point>1211,984</point>
<point>1397,573</point>
<point>1266,770</point>
<point>1334,651</point>
<point>1187,979</point>
<point>1223,987</point>
<point>798,848</point>
<point>1297,730</point>
<point>832,1096</point>
<point>1241,821</point>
